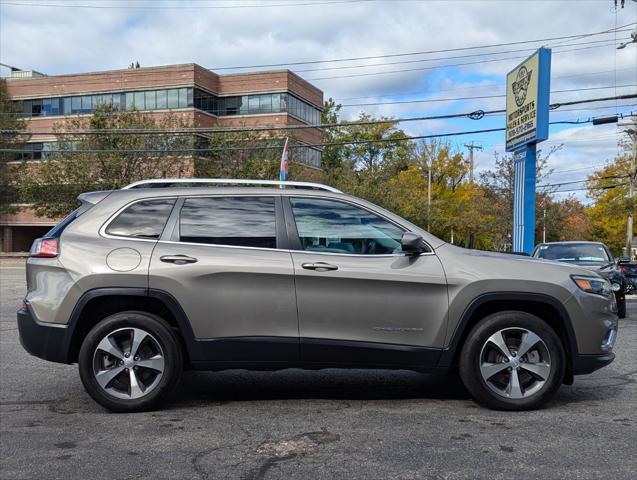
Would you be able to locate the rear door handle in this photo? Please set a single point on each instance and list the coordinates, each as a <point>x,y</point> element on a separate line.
<point>178,259</point>
<point>319,266</point>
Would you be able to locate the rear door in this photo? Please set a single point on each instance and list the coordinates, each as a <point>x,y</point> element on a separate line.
<point>220,258</point>
<point>360,299</point>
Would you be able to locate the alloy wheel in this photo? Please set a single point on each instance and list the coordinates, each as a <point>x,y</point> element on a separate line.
<point>128,363</point>
<point>515,363</point>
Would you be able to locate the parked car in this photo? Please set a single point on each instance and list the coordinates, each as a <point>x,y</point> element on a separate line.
<point>593,256</point>
<point>138,284</point>
<point>629,270</point>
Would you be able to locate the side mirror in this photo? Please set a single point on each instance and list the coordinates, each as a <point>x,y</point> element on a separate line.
<point>413,244</point>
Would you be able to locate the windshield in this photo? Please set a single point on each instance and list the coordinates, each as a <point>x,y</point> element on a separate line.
<point>574,253</point>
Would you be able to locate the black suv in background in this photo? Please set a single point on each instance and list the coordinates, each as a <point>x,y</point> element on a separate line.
<point>591,255</point>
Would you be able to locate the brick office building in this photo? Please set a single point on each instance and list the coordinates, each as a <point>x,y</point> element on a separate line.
<point>202,97</point>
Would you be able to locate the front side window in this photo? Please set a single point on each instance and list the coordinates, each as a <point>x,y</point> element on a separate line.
<point>235,221</point>
<point>331,226</point>
<point>145,219</point>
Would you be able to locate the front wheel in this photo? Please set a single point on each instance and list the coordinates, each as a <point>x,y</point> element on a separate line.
<point>512,361</point>
<point>130,361</point>
<point>621,307</point>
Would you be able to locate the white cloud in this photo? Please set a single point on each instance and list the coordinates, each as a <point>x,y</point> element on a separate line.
<point>65,40</point>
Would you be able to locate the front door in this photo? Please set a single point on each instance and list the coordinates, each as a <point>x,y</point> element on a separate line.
<point>221,262</point>
<point>360,299</point>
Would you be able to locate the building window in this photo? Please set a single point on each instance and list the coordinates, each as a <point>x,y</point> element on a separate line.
<point>162,99</point>
<point>139,100</point>
<point>183,98</point>
<point>150,100</point>
<point>173,98</point>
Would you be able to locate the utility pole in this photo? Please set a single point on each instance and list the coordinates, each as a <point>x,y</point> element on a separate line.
<point>471,148</point>
<point>544,221</point>
<point>631,190</point>
<point>429,196</point>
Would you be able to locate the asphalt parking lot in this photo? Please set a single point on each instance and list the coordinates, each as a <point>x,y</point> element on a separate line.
<point>295,424</point>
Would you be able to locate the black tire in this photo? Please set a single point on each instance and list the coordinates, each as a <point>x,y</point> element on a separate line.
<point>472,357</point>
<point>160,332</point>
<point>621,308</point>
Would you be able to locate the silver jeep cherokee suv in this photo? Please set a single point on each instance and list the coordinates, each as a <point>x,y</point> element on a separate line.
<point>138,284</point>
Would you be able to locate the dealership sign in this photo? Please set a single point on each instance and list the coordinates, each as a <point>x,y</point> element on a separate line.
<point>527,123</point>
<point>527,100</point>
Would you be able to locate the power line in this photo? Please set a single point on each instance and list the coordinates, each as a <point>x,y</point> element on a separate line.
<point>477,86</point>
<point>425,52</point>
<point>580,36</point>
<point>571,182</point>
<point>278,147</point>
<point>608,187</point>
<point>435,67</point>
<point>246,78</point>
<point>268,147</point>
<point>273,76</point>
<point>476,115</point>
<point>182,7</point>
<point>435,100</point>
<point>402,62</point>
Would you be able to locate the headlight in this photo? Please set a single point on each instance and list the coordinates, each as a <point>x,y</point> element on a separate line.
<point>596,285</point>
<point>616,287</point>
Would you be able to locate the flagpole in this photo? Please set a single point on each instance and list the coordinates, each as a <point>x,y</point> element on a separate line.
<point>283,170</point>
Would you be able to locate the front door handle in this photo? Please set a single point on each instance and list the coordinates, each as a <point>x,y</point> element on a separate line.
<point>319,266</point>
<point>178,259</point>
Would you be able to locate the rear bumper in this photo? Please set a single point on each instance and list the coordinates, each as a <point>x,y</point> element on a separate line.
<point>584,364</point>
<point>49,342</point>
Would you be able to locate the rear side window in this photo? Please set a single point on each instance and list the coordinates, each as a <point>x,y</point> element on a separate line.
<point>145,219</point>
<point>235,221</point>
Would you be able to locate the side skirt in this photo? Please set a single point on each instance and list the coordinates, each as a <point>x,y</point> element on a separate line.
<point>275,353</point>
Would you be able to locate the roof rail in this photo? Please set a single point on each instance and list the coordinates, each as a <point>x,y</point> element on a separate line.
<point>168,182</point>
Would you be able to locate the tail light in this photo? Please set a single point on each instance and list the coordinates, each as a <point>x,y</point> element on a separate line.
<point>45,248</point>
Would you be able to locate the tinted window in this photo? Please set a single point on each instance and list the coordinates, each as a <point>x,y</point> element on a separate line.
<point>338,227</point>
<point>237,221</point>
<point>144,219</point>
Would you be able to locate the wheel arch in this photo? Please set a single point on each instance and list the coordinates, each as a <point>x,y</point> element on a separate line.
<point>99,303</point>
<point>544,306</point>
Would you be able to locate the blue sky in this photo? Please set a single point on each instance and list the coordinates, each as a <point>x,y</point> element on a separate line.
<point>69,37</point>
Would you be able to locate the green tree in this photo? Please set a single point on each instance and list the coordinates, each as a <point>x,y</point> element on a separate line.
<point>608,188</point>
<point>499,185</point>
<point>13,137</point>
<point>106,158</point>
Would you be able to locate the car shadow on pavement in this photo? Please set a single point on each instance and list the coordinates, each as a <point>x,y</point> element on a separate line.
<point>332,384</point>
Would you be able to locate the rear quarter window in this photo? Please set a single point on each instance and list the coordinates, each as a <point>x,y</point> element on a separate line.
<point>145,219</point>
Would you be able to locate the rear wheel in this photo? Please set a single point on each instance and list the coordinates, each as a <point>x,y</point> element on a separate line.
<point>512,361</point>
<point>130,361</point>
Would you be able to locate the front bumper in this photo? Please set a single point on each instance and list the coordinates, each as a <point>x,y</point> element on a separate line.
<point>49,342</point>
<point>585,364</point>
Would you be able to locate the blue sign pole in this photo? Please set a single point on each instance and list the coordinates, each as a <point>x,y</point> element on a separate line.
<point>524,168</point>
